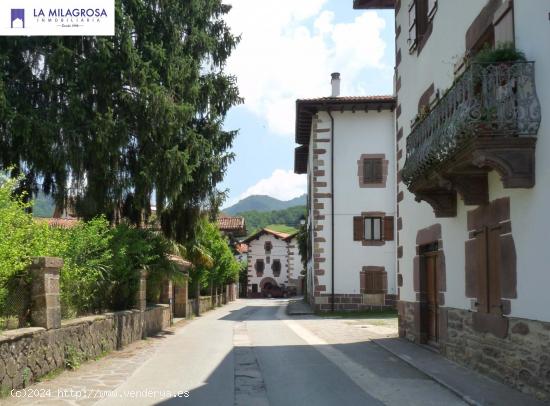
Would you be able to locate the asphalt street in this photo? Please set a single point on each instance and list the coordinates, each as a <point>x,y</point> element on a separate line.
<point>251,353</point>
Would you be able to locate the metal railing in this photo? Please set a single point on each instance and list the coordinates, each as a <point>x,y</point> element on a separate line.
<point>488,100</point>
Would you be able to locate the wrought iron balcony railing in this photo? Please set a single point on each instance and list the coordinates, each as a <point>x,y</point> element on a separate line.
<point>488,100</point>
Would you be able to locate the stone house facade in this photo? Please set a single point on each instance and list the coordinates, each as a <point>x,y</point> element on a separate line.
<point>347,149</point>
<point>267,262</point>
<point>472,204</point>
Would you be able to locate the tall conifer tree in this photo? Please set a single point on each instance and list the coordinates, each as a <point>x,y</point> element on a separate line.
<point>108,122</point>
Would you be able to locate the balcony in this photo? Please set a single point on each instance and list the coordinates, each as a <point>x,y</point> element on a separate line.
<point>488,120</point>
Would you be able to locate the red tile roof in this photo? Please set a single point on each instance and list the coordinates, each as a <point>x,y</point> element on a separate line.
<point>307,108</point>
<point>59,222</point>
<point>241,248</point>
<point>227,223</point>
<point>351,99</point>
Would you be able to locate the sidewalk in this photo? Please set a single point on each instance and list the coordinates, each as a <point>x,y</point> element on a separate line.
<point>472,387</point>
<point>297,307</point>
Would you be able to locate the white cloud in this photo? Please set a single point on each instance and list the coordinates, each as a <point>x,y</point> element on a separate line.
<point>282,185</point>
<point>290,47</point>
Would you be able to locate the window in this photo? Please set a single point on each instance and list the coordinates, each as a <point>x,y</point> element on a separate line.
<point>373,170</point>
<point>412,25</point>
<point>268,259</point>
<point>373,228</point>
<point>421,14</point>
<point>276,267</point>
<point>268,246</point>
<point>254,288</point>
<point>432,7</point>
<point>259,267</point>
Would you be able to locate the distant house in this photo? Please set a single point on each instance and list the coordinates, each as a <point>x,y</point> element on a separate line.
<point>267,261</point>
<point>347,150</point>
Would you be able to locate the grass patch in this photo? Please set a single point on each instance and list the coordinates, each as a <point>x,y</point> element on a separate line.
<point>4,392</point>
<point>51,375</point>
<point>281,228</point>
<point>366,314</point>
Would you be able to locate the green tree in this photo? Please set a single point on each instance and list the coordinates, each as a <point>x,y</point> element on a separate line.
<point>102,123</point>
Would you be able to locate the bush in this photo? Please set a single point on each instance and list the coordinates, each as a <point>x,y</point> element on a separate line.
<point>16,230</point>
<point>505,52</point>
<point>101,263</point>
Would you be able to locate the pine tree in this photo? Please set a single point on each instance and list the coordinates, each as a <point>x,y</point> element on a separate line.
<point>105,123</point>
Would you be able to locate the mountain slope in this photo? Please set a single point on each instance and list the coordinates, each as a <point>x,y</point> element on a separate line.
<point>263,203</point>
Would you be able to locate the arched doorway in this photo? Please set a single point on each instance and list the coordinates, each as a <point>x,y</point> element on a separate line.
<point>268,286</point>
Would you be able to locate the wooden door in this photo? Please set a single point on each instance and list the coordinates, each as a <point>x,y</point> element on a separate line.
<point>431,297</point>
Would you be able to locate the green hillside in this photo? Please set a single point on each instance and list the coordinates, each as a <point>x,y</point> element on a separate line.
<point>281,219</point>
<point>262,204</point>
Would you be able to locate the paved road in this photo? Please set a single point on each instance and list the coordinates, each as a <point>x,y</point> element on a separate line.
<point>251,353</point>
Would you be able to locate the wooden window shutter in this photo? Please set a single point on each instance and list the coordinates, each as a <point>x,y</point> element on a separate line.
<point>493,272</point>
<point>381,281</point>
<point>368,171</point>
<point>358,231</point>
<point>482,282</point>
<point>375,281</point>
<point>388,228</point>
<point>378,169</point>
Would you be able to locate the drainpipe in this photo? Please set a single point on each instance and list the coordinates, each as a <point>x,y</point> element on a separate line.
<point>332,137</point>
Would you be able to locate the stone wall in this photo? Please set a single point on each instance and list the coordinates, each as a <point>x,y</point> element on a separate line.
<point>157,318</point>
<point>206,303</point>
<point>354,302</point>
<point>29,353</point>
<point>521,359</point>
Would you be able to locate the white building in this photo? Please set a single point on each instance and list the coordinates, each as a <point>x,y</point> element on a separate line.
<point>351,220</point>
<point>267,262</point>
<point>295,266</point>
<point>473,183</point>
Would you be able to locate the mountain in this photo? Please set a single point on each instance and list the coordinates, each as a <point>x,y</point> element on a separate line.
<point>263,203</point>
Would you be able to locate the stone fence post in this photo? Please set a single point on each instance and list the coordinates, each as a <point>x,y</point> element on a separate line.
<point>45,306</point>
<point>181,299</point>
<point>141,294</point>
<point>166,291</point>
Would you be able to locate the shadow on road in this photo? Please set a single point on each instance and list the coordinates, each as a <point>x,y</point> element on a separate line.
<point>301,375</point>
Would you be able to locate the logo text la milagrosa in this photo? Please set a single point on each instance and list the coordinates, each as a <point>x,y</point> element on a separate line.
<point>68,13</point>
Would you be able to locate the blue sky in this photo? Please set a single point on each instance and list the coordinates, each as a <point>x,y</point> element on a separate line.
<point>288,50</point>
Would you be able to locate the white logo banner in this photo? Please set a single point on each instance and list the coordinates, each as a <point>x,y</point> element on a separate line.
<point>57,17</point>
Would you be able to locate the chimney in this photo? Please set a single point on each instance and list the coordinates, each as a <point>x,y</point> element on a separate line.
<point>335,82</point>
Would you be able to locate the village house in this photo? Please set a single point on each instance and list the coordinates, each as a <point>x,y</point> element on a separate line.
<point>267,263</point>
<point>472,182</point>
<point>347,149</point>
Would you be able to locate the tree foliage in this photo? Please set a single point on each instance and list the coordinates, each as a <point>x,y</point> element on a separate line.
<point>213,260</point>
<point>103,123</point>
<point>101,263</point>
